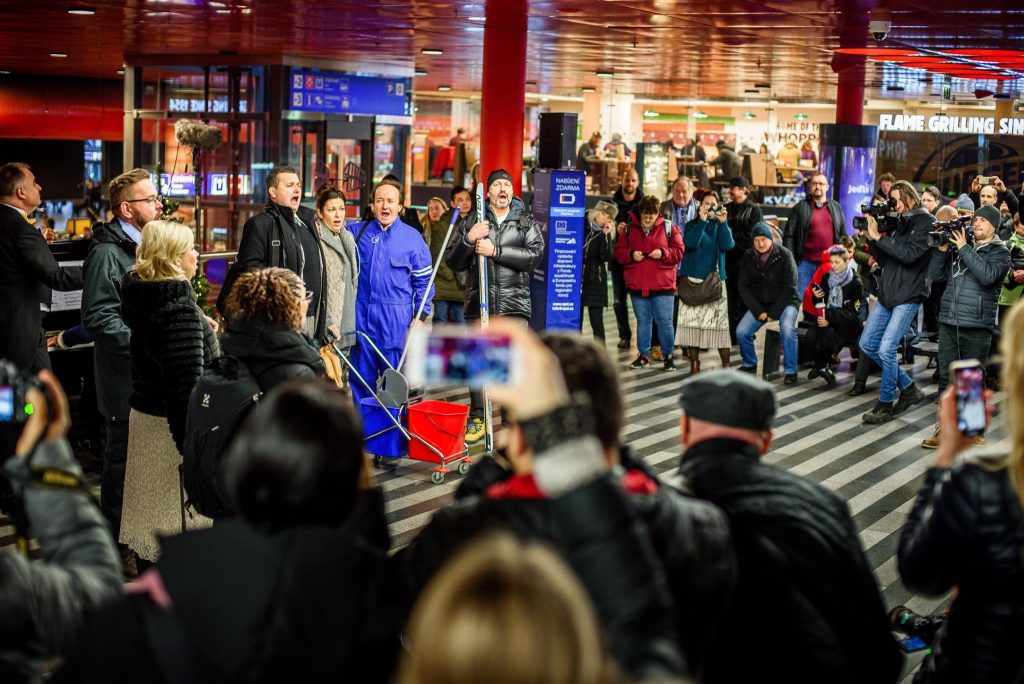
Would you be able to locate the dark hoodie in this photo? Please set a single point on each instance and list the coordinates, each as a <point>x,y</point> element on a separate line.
<point>272,353</point>
<point>171,342</point>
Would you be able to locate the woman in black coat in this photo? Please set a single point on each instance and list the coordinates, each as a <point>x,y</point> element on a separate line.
<point>597,252</point>
<point>265,310</point>
<point>966,530</point>
<point>837,300</point>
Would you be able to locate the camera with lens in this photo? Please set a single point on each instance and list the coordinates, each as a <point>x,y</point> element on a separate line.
<point>14,387</point>
<point>911,624</point>
<point>1017,258</point>
<point>714,210</point>
<point>942,232</point>
<point>884,212</point>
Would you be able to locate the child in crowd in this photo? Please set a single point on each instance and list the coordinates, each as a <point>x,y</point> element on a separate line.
<point>837,301</point>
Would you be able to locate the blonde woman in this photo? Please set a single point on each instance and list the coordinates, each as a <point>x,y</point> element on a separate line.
<point>966,530</point>
<point>512,613</point>
<point>171,340</point>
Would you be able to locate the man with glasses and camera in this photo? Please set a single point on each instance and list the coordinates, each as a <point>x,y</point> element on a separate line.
<point>972,261</point>
<point>814,226</point>
<point>134,202</point>
<point>899,243</point>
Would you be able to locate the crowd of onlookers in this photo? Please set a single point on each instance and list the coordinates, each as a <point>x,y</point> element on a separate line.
<point>563,557</point>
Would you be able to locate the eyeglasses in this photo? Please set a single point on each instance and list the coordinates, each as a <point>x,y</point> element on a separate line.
<point>153,199</point>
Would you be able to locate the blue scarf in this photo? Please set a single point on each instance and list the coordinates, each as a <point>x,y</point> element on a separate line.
<point>836,283</point>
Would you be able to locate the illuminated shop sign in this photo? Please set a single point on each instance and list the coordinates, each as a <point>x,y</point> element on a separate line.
<point>941,123</point>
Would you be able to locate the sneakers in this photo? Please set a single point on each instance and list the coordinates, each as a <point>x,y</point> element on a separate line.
<point>670,364</point>
<point>882,413</point>
<point>623,344</point>
<point>475,431</point>
<point>656,354</point>
<point>908,397</point>
<point>933,441</point>
<point>790,379</point>
<point>857,390</point>
<point>641,362</point>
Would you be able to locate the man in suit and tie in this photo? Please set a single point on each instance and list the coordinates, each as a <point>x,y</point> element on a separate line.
<point>28,271</point>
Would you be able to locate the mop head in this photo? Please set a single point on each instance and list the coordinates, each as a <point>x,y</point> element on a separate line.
<point>197,134</point>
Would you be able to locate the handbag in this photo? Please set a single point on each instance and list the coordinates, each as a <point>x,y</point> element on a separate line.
<point>698,292</point>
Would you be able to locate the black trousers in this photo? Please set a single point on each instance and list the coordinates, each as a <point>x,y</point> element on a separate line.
<point>41,359</point>
<point>732,290</point>
<point>957,344</point>
<point>621,297</point>
<point>596,316</point>
<point>115,456</point>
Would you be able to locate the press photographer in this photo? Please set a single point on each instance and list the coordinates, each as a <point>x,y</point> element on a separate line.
<point>43,604</point>
<point>973,262</point>
<point>898,239</point>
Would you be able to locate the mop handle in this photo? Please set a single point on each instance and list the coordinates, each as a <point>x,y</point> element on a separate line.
<point>430,283</point>
<point>481,263</point>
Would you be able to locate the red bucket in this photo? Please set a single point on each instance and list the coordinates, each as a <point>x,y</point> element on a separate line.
<point>439,423</point>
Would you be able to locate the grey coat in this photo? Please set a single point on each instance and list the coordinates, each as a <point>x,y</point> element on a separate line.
<point>974,276</point>
<point>110,257</point>
<point>43,604</point>
<point>342,277</point>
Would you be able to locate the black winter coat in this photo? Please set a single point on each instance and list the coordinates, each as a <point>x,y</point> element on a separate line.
<point>771,290</point>
<point>967,530</point>
<point>800,222</point>
<point>846,320</point>
<point>28,273</point>
<point>807,607</point>
<point>250,605</point>
<point>520,245</point>
<point>976,275</point>
<point>273,354</point>
<point>904,256</point>
<point>111,256</point>
<point>171,342</point>
<point>597,252</point>
<point>741,218</point>
<point>270,238</point>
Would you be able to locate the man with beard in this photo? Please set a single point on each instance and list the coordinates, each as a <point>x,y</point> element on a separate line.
<point>815,224</point>
<point>626,198</point>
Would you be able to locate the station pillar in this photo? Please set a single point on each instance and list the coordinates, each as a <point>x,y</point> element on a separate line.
<point>503,97</point>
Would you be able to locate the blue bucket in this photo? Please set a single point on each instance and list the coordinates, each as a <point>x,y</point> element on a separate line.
<point>390,443</point>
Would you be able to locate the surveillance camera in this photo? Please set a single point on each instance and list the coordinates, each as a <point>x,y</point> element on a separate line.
<point>879,29</point>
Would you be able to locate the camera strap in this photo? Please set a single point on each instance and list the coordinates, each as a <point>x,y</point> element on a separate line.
<point>51,478</point>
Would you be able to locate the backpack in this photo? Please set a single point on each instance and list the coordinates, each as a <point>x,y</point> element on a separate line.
<point>220,401</point>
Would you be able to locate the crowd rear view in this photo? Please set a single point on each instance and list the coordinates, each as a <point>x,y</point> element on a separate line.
<point>562,558</point>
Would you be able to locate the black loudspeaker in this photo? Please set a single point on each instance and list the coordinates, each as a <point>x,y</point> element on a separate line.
<point>556,148</point>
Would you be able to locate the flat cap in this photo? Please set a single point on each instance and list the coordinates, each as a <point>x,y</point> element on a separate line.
<point>730,398</point>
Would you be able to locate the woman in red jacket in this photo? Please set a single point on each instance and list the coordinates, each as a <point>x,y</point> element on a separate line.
<point>649,250</point>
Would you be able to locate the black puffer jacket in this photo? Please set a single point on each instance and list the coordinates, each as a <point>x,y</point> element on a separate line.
<point>171,342</point>
<point>771,290</point>
<point>520,245</point>
<point>975,276</point>
<point>967,530</point>
<point>904,256</point>
<point>272,353</point>
<point>741,218</point>
<point>597,252</point>
<point>797,545</point>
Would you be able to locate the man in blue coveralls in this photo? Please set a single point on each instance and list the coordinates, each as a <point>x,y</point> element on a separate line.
<point>394,271</point>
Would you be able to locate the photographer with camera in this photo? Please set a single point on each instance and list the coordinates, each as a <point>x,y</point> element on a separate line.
<point>898,239</point>
<point>43,603</point>
<point>972,261</point>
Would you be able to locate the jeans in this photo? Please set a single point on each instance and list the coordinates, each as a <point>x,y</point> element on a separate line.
<point>649,309</point>
<point>748,327</point>
<point>448,311</point>
<point>619,306</point>
<point>804,273</point>
<point>879,340</point>
<point>957,344</point>
<point>115,457</point>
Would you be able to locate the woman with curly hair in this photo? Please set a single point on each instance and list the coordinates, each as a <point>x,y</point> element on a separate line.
<point>171,341</point>
<point>266,309</point>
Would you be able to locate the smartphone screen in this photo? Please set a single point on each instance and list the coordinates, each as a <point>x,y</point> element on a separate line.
<point>969,383</point>
<point>6,403</point>
<point>444,356</point>
<point>912,644</point>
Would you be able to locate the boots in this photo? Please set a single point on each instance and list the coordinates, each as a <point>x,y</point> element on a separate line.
<point>724,354</point>
<point>693,356</point>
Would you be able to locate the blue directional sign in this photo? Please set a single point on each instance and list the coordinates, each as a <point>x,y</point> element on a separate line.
<point>334,92</point>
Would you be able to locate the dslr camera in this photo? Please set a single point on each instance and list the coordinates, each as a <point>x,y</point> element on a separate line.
<point>14,387</point>
<point>942,232</point>
<point>884,211</point>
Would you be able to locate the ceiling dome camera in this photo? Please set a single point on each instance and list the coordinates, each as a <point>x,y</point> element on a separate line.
<point>879,30</point>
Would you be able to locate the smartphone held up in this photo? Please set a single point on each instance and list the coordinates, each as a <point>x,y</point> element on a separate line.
<point>453,355</point>
<point>968,379</point>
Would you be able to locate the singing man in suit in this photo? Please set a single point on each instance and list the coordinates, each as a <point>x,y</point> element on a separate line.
<point>28,271</point>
